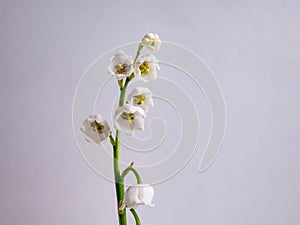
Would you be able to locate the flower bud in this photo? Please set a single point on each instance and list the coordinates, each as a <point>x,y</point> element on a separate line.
<point>151,42</point>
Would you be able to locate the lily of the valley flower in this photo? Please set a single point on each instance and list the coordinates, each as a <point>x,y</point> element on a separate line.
<point>151,42</point>
<point>95,128</point>
<point>120,65</point>
<point>141,97</point>
<point>129,118</point>
<point>140,194</point>
<point>146,68</point>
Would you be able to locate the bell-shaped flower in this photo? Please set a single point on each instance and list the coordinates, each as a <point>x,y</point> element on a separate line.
<point>141,97</point>
<point>140,194</point>
<point>151,42</point>
<point>146,68</point>
<point>129,118</point>
<point>95,129</point>
<point>120,65</point>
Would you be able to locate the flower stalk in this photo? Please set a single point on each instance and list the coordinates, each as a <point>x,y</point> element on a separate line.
<point>138,53</point>
<point>119,185</point>
<point>136,217</point>
<point>134,171</point>
<point>119,180</point>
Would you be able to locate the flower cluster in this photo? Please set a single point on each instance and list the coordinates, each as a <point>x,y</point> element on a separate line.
<point>128,118</point>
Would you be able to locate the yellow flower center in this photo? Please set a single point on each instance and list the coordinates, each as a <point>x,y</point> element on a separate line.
<point>139,99</point>
<point>128,116</point>
<point>145,68</point>
<point>121,68</point>
<point>98,127</point>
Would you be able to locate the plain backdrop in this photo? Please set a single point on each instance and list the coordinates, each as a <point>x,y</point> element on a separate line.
<point>253,47</point>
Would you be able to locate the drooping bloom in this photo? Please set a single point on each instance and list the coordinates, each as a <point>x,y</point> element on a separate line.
<point>151,42</point>
<point>129,118</point>
<point>120,65</point>
<point>141,97</point>
<point>146,68</point>
<point>95,128</point>
<point>140,194</point>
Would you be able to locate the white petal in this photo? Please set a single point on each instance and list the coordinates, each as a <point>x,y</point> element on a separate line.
<point>137,72</point>
<point>146,194</point>
<point>137,123</point>
<point>123,125</point>
<point>139,91</point>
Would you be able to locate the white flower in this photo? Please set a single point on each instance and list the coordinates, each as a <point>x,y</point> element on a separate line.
<point>95,128</point>
<point>151,42</point>
<point>120,65</point>
<point>129,118</point>
<point>140,194</point>
<point>146,68</point>
<point>141,97</point>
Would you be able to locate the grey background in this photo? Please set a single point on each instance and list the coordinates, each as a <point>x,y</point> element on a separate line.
<point>253,48</point>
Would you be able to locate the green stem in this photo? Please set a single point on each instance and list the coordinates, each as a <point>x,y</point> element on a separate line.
<point>134,171</point>
<point>119,185</point>
<point>138,53</point>
<point>118,181</point>
<point>136,217</point>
